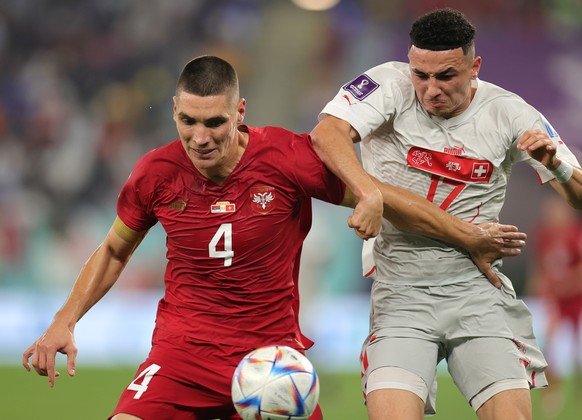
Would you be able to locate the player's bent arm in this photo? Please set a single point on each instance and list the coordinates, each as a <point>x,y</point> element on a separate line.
<point>101,270</point>
<point>412,213</point>
<point>96,277</point>
<point>333,140</point>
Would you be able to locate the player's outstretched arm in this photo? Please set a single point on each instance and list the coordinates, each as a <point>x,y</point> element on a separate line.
<point>96,277</point>
<point>485,243</point>
<point>333,140</point>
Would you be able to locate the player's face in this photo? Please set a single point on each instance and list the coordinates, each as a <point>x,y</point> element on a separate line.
<point>442,79</point>
<point>207,126</point>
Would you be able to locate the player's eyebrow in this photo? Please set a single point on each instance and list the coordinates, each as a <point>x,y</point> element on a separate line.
<point>446,72</point>
<point>211,121</point>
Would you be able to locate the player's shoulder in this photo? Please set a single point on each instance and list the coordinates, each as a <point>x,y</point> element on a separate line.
<point>159,160</point>
<point>275,136</point>
<point>272,132</point>
<point>498,94</point>
<point>389,79</point>
<point>171,149</point>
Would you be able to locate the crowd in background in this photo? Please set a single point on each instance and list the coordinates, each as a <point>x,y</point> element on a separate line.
<point>86,87</point>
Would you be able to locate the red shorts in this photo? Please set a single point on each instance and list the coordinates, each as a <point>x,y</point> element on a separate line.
<point>183,379</point>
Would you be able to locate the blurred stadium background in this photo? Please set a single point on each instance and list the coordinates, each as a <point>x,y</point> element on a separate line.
<point>86,88</point>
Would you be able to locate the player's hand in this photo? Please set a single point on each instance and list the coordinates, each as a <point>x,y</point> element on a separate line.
<point>44,351</point>
<point>367,217</point>
<point>496,241</point>
<point>540,147</point>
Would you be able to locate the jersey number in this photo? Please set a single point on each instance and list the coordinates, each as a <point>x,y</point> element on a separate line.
<point>224,231</point>
<point>147,374</point>
<point>434,183</point>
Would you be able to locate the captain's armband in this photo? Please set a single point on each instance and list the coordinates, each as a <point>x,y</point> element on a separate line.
<point>125,232</point>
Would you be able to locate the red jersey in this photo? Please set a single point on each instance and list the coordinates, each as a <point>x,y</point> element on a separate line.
<point>233,249</point>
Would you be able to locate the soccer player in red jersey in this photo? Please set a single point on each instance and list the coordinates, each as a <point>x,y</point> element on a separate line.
<point>235,202</point>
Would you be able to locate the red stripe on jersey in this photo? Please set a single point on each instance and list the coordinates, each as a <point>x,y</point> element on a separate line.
<point>369,273</point>
<point>449,166</point>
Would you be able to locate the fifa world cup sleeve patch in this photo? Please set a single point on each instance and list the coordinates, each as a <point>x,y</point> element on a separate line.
<point>459,168</point>
<point>361,87</point>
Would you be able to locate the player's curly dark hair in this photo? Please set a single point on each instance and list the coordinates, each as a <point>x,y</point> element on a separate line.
<point>442,29</point>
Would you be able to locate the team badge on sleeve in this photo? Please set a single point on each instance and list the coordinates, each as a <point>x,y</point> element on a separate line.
<point>361,86</point>
<point>262,199</point>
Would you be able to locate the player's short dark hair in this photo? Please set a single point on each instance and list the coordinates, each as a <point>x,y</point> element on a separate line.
<point>442,29</point>
<point>208,75</point>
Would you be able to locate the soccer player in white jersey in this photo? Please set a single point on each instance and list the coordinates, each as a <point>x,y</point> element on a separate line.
<point>433,127</point>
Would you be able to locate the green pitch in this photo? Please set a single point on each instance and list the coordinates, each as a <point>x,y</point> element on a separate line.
<point>93,393</point>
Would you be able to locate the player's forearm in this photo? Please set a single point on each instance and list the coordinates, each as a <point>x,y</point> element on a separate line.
<point>412,213</point>
<point>95,279</point>
<point>571,190</point>
<point>99,273</point>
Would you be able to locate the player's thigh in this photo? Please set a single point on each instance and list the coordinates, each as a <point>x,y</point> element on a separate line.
<point>388,404</point>
<point>513,404</point>
<point>484,367</point>
<point>397,363</point>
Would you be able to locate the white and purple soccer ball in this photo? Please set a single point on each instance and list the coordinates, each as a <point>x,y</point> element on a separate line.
<point>275,383</point>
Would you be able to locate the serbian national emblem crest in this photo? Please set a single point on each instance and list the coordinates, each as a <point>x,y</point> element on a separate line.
<point>263,199</point>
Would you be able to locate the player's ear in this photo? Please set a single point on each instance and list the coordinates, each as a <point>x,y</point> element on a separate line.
<point>475,67</point>
<point>242,104</point>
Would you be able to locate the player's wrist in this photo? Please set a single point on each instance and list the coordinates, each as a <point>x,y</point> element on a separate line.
<point>563,172</point>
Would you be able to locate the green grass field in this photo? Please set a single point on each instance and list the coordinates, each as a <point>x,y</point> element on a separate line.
<point>93,393</point>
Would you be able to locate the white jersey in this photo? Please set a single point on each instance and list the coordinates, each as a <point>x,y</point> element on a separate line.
<point>462,164</point>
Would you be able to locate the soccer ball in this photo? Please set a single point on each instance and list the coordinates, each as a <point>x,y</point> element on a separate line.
<point>275,383</point>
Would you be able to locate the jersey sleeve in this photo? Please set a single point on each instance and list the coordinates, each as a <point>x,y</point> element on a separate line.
<point>311,175</point>
<point>134,204</point>
<point>367,101</point>
<point>534,120</point>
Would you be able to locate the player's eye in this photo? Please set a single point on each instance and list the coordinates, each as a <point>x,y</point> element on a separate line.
<point>445,77</point>
<point>214,122</point>
<point>188,120</point>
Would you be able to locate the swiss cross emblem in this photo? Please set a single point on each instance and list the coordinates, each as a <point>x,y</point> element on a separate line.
<point>262,199</point>
<point>421,158</point>
<point>480,170</point>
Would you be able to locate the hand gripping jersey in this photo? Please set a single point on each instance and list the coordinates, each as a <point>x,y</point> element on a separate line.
<point>232,249</point>
<point>462,164</point>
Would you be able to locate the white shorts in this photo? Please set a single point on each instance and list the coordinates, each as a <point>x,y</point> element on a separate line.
<point>485,335</point>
